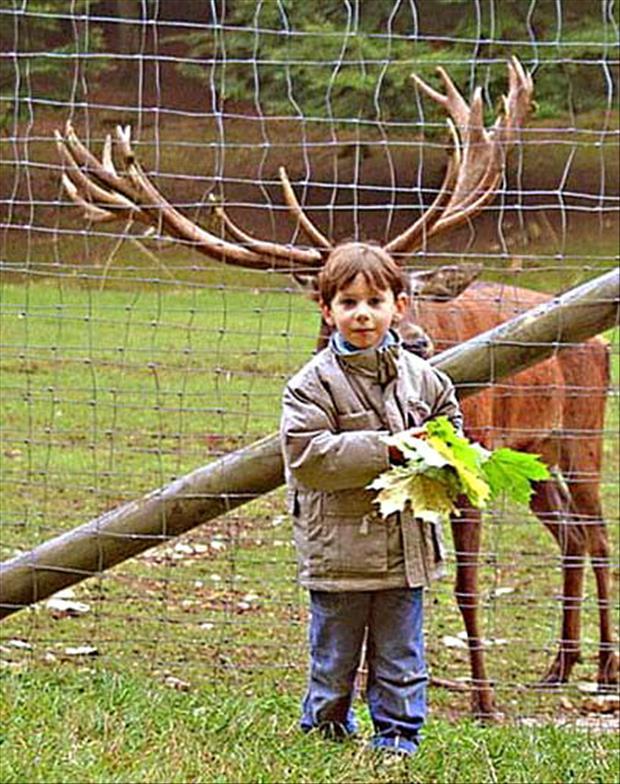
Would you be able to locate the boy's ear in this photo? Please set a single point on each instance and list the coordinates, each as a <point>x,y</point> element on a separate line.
<point>402,306</point>
<point>326,312</point>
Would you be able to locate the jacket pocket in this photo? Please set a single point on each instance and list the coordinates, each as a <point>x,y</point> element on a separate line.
<point>308,531</point>
<point>355,502</point>
<point>360,420</point>
<point>355,545</point>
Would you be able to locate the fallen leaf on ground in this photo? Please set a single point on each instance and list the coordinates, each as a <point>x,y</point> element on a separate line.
<point>587,688</point>
<point>177,683</point>
<point>453,642</point>
<point>566,704</point>
<point>502,590</point>
<point>604,703</point>
<point>66,608</point>
<point>81,650</point>
<point>22,644</point>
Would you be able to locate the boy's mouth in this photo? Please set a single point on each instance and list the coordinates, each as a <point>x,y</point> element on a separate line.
<point>363,336</point>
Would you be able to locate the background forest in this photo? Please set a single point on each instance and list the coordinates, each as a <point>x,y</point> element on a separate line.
<point>325,58</point>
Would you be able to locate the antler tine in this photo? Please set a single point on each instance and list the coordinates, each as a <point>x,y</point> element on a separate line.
<point>481,166</point>
<point>414,235</point>
<point>106,156</point>
<point>89,211</point>
<point>477,153</point>
<point>313,234</point>
<point>453,102</point>
<point>517,104</point>
<point>76,182</point>
<point>104,195</point>
<point>307,258</point>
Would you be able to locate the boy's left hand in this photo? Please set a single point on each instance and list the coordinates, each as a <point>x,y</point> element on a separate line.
<point>396,456</point>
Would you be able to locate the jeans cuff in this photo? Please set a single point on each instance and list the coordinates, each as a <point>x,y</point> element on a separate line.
<point>395,743</point>
<point>332,730</point>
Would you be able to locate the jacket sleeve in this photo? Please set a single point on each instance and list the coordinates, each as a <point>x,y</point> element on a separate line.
<point>317,455</point>
<point>445,403</point>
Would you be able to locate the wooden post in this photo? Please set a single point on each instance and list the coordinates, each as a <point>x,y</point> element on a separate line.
<point>239,477</point>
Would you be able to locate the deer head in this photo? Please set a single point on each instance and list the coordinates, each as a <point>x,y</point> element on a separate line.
<point>472,176</point>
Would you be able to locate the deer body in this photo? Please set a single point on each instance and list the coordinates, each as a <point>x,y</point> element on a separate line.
<point>555,409</point>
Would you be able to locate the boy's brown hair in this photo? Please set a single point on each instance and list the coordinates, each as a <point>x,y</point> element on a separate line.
<point>349,260</point>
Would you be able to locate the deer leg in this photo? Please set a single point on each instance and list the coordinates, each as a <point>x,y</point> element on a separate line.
<point>587,506</point>
<point>608,663</point>
<point>550,504</point>
<point>466,533</point>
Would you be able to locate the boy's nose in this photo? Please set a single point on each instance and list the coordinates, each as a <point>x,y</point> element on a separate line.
<point>362,313</point>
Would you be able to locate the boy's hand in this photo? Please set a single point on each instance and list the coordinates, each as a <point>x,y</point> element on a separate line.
<point>396,456</point>
<point>416,432</point>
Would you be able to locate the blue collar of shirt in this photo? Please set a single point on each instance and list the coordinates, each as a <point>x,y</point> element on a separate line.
<point>343,347</point>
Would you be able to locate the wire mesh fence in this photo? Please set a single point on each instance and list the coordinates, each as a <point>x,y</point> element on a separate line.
<point>129,358</point>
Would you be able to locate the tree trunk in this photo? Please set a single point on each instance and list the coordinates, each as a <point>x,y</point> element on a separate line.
<point>239,477</point>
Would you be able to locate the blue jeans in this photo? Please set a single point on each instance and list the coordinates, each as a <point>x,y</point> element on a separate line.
<point>391,620</point>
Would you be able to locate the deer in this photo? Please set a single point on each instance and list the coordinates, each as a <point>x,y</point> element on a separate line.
<point>552,409</point>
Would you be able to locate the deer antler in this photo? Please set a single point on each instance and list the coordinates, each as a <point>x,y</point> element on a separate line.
<point>269,248</point>
<point>472,176</point>
<point>106,196</point>
<point>480,154</point>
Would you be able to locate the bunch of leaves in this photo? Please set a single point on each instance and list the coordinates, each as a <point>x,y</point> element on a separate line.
<point>440,465</point>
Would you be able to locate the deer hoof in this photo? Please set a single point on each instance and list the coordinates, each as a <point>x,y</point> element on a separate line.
<point>560,670</point>
<point>485,710</point>
<point>492,716</point>
<point>608,670</point>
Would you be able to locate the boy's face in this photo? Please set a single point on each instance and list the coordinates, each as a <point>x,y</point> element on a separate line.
<point>363,314</point>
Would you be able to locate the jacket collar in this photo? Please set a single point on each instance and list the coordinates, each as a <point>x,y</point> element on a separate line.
<point>379,364</point>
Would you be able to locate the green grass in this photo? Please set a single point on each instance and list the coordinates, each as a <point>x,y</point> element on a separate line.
<point>124,390</point>
<point>95,724</point>
<point>108,394</point>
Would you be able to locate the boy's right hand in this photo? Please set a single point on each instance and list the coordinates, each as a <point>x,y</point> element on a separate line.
<point>396,456</point>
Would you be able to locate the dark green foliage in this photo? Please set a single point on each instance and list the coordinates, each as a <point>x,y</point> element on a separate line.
<point>327,59</point>
<point>49,40</point>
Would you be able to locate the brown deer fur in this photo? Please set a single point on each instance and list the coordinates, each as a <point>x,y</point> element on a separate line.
<point>555,409</point>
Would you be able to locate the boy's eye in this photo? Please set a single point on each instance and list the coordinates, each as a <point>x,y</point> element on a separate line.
<point>348,302</point>
<point>374,301</point>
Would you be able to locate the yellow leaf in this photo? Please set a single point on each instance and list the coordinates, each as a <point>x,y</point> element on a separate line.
<point>476,488</point>
<point>393,491</point>
<point>428,498</point>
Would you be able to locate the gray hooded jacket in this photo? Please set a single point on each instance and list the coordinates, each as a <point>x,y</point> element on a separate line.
<point>335,411</point>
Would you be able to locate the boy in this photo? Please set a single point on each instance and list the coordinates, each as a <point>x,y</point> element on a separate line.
<point>365,575</point>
